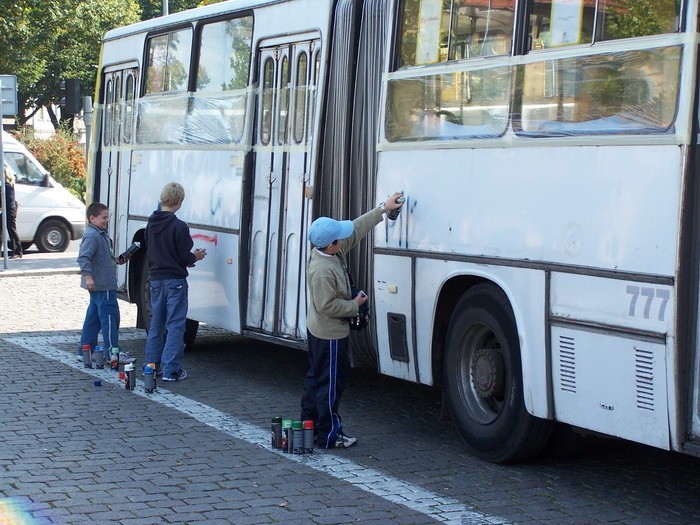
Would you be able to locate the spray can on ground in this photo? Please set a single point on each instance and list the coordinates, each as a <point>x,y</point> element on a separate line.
<point>298,433</point>
<point>114,358</point>
<point>149,378</point>
<point>308,436</point>
<point>276,432</point>
<point>129,377</point>
<point>99,358</point>
<point>286,435</point>
<point>87,356</point>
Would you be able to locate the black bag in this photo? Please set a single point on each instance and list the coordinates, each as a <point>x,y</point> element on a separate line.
<point>361,320</point>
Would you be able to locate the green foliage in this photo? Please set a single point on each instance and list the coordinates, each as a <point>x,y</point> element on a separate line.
<point>62,155</point>
<point>154,8</point>
<point>46,41</point>
<point>631,18</point>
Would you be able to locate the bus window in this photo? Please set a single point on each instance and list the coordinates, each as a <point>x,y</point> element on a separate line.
<point>218,107</point>
<point>316,69</point>
<point>162,112</point>
<point>168,62</point>
<point>624,92</point>
<point>224,55</point>
<point>128,107</point>
<point>300,97</point>
<point>434,31</point>
<point>283,109</point>
<point>449,106</point>
<point>555,23</point>
<point>109,101</point>
<point>267,94</point>
<point>117,110</point>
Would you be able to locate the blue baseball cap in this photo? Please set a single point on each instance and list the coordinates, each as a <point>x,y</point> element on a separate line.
<point>325,230</point>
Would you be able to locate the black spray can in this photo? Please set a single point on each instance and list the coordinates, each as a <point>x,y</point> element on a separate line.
<point>99,358</point>
<point>392,215</point>
<point>87,356</point>
<point>130,379</point>
<point>308,436</point>
<point>276,432</point>
<point>149,378</point>
<point>286,435</point>
<point>298,439</point>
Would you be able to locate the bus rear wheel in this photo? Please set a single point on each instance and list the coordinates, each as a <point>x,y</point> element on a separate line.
<point>482,378</point>
<point>146,312</point>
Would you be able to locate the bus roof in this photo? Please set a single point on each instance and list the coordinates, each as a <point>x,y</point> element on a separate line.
<point>186,16</point>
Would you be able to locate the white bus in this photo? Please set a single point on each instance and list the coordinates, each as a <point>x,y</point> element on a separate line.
<point>544,270</point>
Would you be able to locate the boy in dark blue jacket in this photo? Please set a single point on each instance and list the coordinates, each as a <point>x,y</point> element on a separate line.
<point>169,254</point>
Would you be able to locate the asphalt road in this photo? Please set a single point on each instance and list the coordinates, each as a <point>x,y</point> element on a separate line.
<point>197,451</point>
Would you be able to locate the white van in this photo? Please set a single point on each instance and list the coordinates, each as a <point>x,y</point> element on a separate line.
<point>49,215</point>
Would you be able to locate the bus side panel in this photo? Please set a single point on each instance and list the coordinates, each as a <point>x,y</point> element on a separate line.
<point>212,182</point>
<point>524,288</point>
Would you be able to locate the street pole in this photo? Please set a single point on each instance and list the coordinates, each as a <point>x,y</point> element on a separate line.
<point>87,120</point>
<point>165,7</point>
<point>4,198</point>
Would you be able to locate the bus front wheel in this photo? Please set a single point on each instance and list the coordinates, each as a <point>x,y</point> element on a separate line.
<point>482,378</point>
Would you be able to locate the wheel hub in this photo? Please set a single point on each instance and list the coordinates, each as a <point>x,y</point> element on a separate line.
<point>488,372</point>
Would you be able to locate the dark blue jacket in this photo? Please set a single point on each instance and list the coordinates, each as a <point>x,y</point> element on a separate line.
<point>169,246</point>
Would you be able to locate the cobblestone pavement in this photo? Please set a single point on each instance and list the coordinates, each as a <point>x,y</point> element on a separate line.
<point>197,451</point>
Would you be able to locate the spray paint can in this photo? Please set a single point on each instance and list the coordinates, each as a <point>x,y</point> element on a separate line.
<point>308,436</point>
<point>149,378</point>
<point>87,356</point>
<point>114,358</point>
<point>392,215</point>
<point>298,433</point>
<point>286,435</point>
<point>99,358</point>
<point>276,432</point>
<point>129,377</point>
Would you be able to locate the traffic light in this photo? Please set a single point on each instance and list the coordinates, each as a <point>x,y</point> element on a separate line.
<point>70,96</point>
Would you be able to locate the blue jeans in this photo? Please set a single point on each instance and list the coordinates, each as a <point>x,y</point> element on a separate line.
<point>102,314</point>
<point>165,344</point>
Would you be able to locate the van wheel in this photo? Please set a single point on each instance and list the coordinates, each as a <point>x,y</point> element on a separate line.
<point>146,312</point>
<point>53,236</point>
<point>483,380</point>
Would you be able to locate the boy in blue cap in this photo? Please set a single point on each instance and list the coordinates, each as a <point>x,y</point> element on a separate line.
<point>328,330</point>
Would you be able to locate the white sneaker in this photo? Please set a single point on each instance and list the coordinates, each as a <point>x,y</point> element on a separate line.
<point>344,441</point>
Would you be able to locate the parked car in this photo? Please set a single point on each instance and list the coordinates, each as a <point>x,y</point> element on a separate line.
<point>49,215</point>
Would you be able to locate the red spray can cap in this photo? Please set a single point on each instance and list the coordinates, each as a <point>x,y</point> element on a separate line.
<point>308,424</point>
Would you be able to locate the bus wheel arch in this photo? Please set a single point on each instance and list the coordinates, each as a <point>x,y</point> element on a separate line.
<point>482,379</point>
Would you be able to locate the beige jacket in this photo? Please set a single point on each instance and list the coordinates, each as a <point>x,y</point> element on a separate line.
<point>328,284</point>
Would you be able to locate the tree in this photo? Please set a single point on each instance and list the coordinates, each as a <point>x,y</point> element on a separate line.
<point>154,8</point>
<point>46,41</point>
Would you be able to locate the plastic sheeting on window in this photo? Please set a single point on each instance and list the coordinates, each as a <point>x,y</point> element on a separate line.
<point>449,106</point>
<point>624,92</point>
<point>193,118</point>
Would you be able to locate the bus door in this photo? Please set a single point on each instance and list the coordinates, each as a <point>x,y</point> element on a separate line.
<point>115,150</point>
<point>277,289</point>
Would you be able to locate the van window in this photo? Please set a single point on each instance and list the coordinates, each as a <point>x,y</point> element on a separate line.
<point>24,169</point>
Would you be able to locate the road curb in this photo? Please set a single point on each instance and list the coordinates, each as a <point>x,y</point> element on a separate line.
<point>39,271</point>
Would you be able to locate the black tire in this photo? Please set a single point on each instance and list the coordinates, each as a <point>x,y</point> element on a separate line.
<point>53,236</point>
<point>144,305</point>
<point>145,311</point>
<point>483,385</point>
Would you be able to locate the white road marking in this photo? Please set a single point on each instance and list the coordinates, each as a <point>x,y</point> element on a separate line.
<point>440,508</point>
